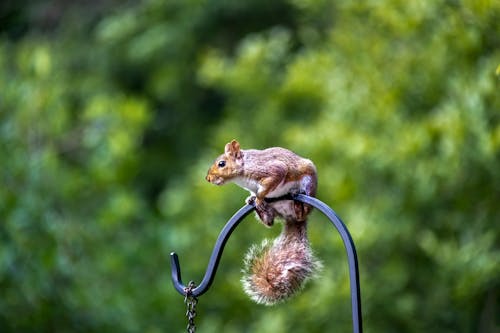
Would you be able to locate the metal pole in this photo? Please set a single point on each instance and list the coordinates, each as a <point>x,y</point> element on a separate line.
<point>226,232</point>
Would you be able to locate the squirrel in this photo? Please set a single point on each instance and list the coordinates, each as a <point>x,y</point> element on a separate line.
<point>278,269</point>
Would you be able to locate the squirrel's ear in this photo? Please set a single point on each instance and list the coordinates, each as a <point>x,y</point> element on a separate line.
<point>233,149</point>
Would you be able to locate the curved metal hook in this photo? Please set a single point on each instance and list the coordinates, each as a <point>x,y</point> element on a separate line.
<point>234,222</point>
<point>214,258</point>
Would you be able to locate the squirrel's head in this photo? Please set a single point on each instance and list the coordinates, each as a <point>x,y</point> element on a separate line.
<point>227,165</point>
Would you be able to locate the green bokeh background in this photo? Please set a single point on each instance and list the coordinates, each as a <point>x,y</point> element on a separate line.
<point>112,111</point>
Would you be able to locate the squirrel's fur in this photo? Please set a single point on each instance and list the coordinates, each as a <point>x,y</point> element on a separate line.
<point>278,269</point>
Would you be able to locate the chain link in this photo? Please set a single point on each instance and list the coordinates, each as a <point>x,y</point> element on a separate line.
<point>191,302</point>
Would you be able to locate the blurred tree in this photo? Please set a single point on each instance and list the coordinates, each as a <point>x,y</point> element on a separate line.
<point>111,112</point>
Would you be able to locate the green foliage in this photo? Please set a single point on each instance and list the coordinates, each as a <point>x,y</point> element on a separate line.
<point>110,116</point>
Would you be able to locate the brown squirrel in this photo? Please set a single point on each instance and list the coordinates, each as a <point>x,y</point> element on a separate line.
<point>276,269</point>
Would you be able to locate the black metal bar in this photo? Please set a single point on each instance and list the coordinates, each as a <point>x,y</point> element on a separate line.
<point>214,258</point>
<point>235,221</point>
<point>352,257</point>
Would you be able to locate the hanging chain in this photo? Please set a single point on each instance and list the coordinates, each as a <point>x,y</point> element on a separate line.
<point>191,302</point>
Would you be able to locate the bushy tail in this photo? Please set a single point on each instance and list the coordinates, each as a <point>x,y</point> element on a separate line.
<point>276,270</point>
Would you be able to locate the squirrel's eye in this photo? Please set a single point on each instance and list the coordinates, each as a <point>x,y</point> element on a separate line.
<point>221,164</point>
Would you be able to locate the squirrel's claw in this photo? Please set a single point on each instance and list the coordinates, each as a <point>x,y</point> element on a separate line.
<point>250,200</point>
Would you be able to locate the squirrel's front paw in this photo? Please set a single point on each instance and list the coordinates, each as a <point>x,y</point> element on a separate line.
<point>250,200</point>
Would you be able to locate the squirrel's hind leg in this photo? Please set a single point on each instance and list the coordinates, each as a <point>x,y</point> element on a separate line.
<point>300,209</point>
<point>265,212</point>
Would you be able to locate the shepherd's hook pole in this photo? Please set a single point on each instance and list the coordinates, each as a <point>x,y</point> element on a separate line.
<point>226,232</point>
